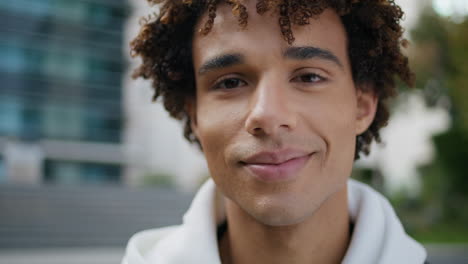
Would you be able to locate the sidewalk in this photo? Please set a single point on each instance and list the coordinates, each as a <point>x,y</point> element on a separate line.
<point>447,253</point>
<point>438,254</point>
<point>62,256</point>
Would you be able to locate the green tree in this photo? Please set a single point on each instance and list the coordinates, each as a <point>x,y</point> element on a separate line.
<point>440,60</point>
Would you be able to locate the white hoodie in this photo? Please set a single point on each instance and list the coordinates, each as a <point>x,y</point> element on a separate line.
<point>378,236</point>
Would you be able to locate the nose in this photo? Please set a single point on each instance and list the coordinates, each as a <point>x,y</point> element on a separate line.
<point>270,110</point>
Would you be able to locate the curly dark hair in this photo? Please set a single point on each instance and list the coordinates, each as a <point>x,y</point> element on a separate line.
<point>374,47</point>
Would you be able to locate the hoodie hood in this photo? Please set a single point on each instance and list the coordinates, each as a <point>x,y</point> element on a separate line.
<point>378,236</point>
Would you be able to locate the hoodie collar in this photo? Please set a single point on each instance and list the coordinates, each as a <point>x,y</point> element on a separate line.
<point>378,236</point>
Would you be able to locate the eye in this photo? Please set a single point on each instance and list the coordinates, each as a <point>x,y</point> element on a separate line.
<point>309,78</point>
<point>229,83</point>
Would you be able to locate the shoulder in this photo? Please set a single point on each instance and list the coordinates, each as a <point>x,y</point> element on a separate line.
<point>141,243</point>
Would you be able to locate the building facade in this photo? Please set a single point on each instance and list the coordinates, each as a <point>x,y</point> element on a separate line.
<point>154,145</point>
<point>61,67</point>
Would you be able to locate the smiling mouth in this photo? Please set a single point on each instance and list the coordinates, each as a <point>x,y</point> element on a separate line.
<point>276,171</point>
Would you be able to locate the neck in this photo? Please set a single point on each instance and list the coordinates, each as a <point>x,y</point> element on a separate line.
<point>321,238</point>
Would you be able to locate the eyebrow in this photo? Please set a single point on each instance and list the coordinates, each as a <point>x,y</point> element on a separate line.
<point>297,53</point>
<point>222,61</point>
<point>308,52</point>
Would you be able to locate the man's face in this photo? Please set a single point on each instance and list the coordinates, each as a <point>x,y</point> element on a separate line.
<point>277,122</point>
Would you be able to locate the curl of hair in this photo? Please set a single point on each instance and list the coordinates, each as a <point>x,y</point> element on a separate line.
<point>374,48</point>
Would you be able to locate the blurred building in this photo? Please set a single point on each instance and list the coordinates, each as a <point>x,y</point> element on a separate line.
<point>412,11</point>
<point>61,67</point>
<point>154,143</point>
<point>69,112</point>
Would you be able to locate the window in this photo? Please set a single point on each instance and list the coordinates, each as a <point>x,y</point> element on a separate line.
<point>17,59</point>
<point>2,171</point>
<point>97,124</point>
<point>12,59</point>
<point>67,172</point>
<point>10,116</point>
<point>61,66</point>
<point>31,124</point>
<point>63,121</point>
<point>70,66</point>
<point>34,7</point>
<point>100,15</point>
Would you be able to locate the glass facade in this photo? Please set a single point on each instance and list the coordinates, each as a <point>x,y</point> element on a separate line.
<point>63,172</point>
<point>61,66</point>
<point>2,171</point>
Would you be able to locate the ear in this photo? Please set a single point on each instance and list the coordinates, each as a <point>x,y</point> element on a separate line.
<point>191,108</point>
<point>366,108</point>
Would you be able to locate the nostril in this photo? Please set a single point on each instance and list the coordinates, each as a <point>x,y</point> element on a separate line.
<point>257,131</point>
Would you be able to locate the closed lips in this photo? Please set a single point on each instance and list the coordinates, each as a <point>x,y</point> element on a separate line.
<point>279,166</point>
<point>274,158</point>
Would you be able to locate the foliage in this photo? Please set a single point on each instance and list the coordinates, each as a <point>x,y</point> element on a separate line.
<point>439,55</point>
<point>158,179</point>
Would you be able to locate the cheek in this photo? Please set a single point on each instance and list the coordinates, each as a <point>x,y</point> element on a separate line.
<point>217,126</point>
<point>210,134</point>
<point>333,117</point>
<point>341,137</point>
<point>217,123</point>
<point>216,132</point>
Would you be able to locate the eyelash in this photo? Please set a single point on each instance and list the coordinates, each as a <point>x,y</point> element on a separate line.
<point>218,84</point>
<point>240,82</point>
<point>314,75</point>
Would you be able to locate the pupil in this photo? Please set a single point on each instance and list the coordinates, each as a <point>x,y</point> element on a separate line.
<point>231,83</point>
<point>310,78</point>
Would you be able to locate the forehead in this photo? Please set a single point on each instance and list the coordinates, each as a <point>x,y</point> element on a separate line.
<point>263,34</point>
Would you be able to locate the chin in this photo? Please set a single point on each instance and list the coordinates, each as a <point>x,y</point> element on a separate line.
<point>281,213</point>
<point>281,219</point>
